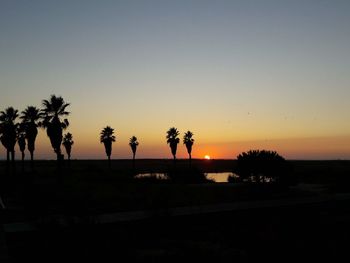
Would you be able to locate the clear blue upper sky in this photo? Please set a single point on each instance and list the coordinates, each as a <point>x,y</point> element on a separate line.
<point>230,71</point>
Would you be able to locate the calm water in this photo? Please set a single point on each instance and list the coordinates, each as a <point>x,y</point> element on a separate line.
<point>217,177</point>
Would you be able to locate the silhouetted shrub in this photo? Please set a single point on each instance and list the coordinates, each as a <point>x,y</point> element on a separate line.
<point>151,178</point>
<point>234,178</point>
<point>263,167</point>
<point>189,175</point>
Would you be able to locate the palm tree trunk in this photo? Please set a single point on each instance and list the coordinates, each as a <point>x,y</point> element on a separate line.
<point>190,159</point>
<point>13,157</point>
<point>59,160</point>
<point>32,159</point>
<point>133,161</point>
<point>58,157</point>
<point>8,156</point>
<point>23,155</point>
<point>7,159</point>
<point>59,168</point>
<point>109,161</point>
<point>69,160</point>
<point>13,162</point>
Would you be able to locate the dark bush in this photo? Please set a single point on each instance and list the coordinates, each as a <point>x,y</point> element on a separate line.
<point>263,167</point>
<point>234,178</point>
<point>186,175</point>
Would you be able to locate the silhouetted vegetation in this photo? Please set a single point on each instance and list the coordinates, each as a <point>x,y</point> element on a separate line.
<point>133,143</point>
<point>8,130</point>
<point>21,140</point>
<point>67,143</point>
<point>262,167</point>
<point>54,108</point>
<point>152,178</point>
<point>188,141</point>
<point>186,175</point>
<point>107,138</point>
<point>31,117</point>
<point>173,140</point>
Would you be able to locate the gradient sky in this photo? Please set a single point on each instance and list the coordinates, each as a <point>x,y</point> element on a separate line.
<point>239,74</point>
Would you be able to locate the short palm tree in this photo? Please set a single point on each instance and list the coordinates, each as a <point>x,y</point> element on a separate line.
<point>54,108</point>
<point>31,117</point>
<point>21,140</point>
<point>8,130</point>
<point>67,143</point>
<point>188,141</point>
<point>173,140</point>
<point>107,138</point>
<point>133,144</point>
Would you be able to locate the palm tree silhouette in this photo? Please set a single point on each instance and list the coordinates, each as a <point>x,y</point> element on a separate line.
<point>53,109</point>
<point>173,140</point>
<point>8,130</point>
<point>107,137</point>
<point>133,144</point>
<point>67,143</point>
<point>188,141</point>
<point>31,117</point>
<point>21,140</point>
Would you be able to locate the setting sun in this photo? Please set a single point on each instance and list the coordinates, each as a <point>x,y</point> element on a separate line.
<point>207,157</point>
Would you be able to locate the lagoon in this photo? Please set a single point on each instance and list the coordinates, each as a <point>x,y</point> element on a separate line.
<point>216,177</point>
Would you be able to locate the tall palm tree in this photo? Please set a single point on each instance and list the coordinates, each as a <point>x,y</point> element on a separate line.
<point>107,137</point>
<point>173,140</point>
<point>31,117</point>
<point>54,108</point>
<point>21,140</point>
<point>67,143</point>
<point>8,130</point>
<point>133,144</point>
<point>188,141</point>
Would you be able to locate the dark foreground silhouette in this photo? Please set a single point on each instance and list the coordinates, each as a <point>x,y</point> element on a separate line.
<point>86,217</point>
<point>306,233</point>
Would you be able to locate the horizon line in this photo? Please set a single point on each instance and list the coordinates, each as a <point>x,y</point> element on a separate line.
<point>170,159</point>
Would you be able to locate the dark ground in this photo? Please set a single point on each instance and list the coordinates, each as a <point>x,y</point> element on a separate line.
<point>293,233</point>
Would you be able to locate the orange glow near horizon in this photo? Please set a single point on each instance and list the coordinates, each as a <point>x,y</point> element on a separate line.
<point>207,157</point>
<point>87,146</point>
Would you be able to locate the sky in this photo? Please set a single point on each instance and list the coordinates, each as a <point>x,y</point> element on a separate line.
<point>240,75</point>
